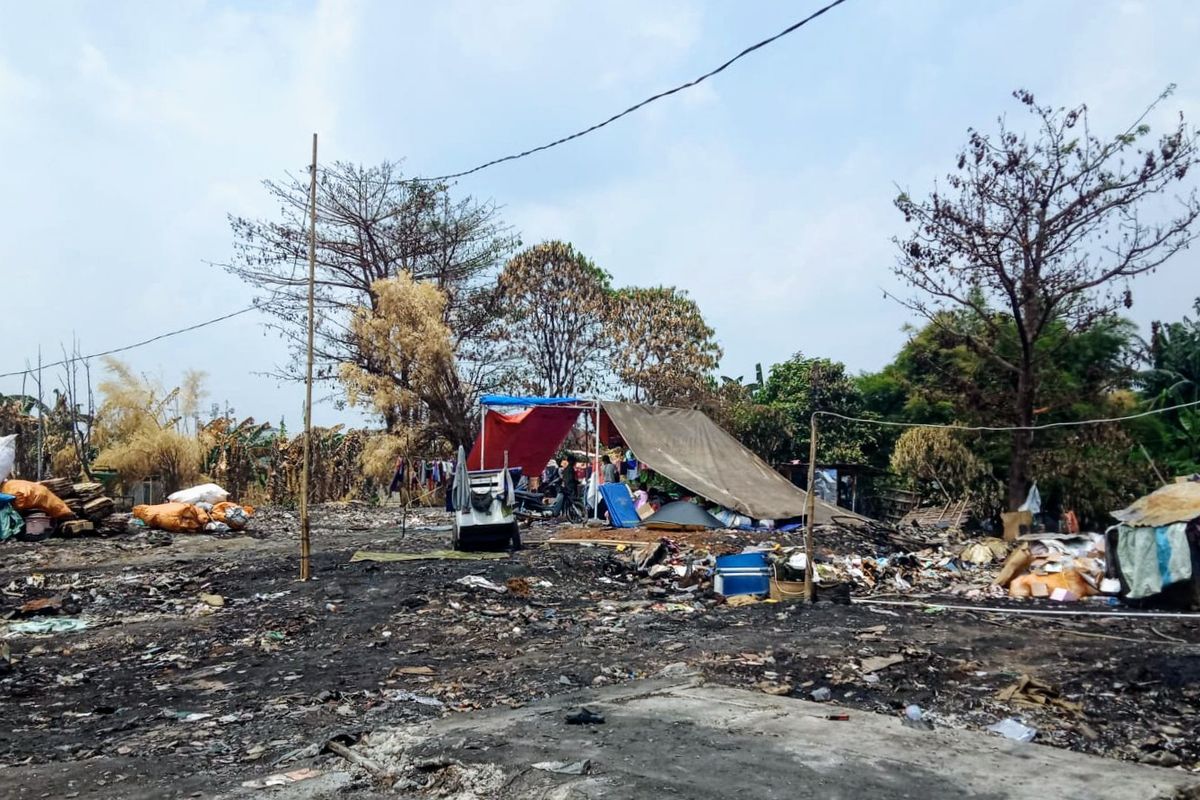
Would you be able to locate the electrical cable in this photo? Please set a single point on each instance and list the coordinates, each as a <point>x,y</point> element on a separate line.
<point>1074,423</point>
<point>127,347</point>
<point>1032,612</point>
<point>637,106</point>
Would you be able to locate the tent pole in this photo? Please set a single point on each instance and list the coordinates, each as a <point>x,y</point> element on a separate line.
<point>596,466</point>
<point>811,513</point>
<point>482,433</point>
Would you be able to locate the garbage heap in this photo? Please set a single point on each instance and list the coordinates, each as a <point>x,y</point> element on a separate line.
<point>1060,567</point>
<point>1044,566</point>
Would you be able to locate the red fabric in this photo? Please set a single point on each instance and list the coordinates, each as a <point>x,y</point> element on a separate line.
<point>609,435</point>
<point>531,437</point>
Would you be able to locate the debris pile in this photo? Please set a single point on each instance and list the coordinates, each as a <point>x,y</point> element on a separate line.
<point>1060,567</point>
<point>58,506</point>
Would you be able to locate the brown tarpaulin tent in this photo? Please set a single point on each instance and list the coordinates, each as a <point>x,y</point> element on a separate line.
<point>690,449</point>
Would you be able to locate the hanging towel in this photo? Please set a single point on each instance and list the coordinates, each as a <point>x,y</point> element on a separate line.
<point>1153,558</point>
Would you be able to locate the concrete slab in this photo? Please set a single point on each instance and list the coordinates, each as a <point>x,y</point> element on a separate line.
<point>680,739</point>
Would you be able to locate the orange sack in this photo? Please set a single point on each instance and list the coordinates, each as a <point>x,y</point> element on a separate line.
<point>32,496</point>
<point>173,517</point>
<point>1033,585</point>
<point>232,514</point>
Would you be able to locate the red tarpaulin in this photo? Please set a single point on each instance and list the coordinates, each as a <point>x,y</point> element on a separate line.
<point>531,437</point>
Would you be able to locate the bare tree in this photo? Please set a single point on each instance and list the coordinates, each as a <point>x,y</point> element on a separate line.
<point>373,224</point>
<point>1048,229</point>
<point>558,303</point>
<point>79,422</point>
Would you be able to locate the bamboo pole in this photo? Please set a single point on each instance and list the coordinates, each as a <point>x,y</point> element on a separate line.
<point>811,512</point>
<point>305,471</point>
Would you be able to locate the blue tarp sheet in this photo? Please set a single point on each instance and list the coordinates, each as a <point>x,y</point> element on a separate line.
<point>526,402</point>
<point>621,511</point>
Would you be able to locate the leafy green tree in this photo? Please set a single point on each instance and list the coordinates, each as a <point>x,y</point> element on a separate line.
<point>1173,378</point>
<point>774,419</point>
<point>936,378</point>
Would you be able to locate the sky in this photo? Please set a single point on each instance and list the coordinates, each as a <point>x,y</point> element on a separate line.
<point>130,130</point>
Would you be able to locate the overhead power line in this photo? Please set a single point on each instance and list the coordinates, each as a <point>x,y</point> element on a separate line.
<point>142,343</point>
<point>635,107</point>
<point>991,428</point>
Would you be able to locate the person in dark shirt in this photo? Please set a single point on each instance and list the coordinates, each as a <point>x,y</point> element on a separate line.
<point>570,485</point>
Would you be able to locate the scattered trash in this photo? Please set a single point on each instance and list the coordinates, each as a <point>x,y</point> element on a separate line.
<point>838,717</point>
<point>1032,693</point>
<point>480,582</point>
<point>518,587</point>
<point>187,716</point>
<point>282,779</point>
<point>678,669</point>
<point>914,717</point>
<point>214,600</point>
<point>44,605</point>
<point>585,716</point>
<point>876,663</point>
<point>399,696</point>
<point>564,768</point>
<point>412,671</point>
<point>1013,729</point>
<point>821,695</point>
<point>55,625</point>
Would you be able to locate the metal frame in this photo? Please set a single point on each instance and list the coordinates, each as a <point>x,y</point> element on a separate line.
<point>590,406</point>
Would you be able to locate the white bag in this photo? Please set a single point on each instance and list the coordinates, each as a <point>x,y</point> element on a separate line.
<point>8,455</point>
<point>1033,501</point>
<point>204,493</point>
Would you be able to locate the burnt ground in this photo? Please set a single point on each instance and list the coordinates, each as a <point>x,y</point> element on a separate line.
<point>165,695</point>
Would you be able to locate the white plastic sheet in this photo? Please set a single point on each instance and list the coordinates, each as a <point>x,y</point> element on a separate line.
<point>8,455</point>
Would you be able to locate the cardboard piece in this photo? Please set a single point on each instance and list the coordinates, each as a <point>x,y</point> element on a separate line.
<point>1016,523</point>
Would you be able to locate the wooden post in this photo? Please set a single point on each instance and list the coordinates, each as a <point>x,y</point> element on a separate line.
<point>305,471</point>
<point>811,513</point>
<point>41,422</point>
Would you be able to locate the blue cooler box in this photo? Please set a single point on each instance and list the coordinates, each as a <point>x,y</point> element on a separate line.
<point>744,573</point>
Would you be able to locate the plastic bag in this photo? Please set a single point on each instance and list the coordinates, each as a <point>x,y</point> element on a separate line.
<point>233,515</point>
<point>8,455</point>
<point>204,493</point>
<point>11,523</point>
<point>1013,729</point>
<point>32,496</point>
<point>173,517</point>
<point>1033,501</point>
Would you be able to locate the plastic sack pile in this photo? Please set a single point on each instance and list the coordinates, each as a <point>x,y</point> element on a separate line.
<point>200,508</point>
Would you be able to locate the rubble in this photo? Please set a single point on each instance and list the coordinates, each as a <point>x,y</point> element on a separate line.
<point>281,667</point>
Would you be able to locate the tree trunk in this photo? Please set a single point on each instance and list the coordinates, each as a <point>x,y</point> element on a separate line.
<point>1019,466</point>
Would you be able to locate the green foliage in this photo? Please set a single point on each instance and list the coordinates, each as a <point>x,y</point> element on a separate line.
<point>939,378</point>
<point>939,462</point>
<point>774,420</point>
<point>1173,378</point>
